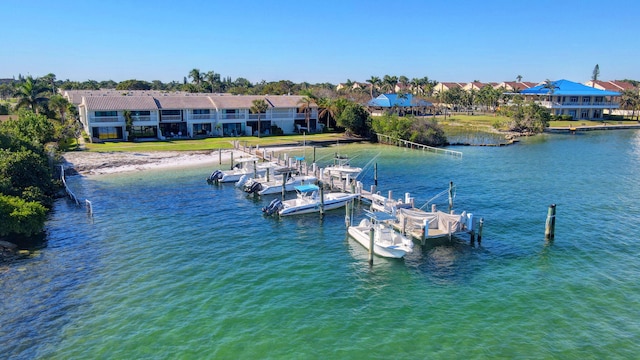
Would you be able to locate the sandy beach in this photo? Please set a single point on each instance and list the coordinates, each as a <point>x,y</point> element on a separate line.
<point>100,163</point>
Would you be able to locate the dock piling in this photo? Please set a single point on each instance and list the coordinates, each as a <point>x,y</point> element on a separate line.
<point>549,231</point>
<point>371,237</point>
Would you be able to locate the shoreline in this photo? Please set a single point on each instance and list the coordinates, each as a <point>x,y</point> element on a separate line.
<point>86,163</point>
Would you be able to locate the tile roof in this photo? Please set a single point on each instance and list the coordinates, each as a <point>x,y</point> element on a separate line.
<point>286,101</point>
<point>235,101</point>
<point>120,103</point>
<point>184,102</point>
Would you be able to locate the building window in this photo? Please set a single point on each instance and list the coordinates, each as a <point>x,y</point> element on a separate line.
<point>106,113</point>
<point>574,99</point>
<point>201,111</point>
<point>144,131</point>
<point>141,113</point>
<point>586,99</point>
<point>202,129</point>
<point>107,132</point>
<point>584,114</point>
<point>599,99</point>
<point>170,112</point>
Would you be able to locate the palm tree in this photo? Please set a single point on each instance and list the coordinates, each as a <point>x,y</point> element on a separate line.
<point>551,86</point>
<point>196,76</point>
<point>630,99</point>
<point>29,94</point>
<point>305,105</point>
<point>519,78</point>
<point>60,105</point>
<point>375,82</point>
<point>259,106</point>
<point>212,78</point>
<point>389,83</point>
<point>50,79</point>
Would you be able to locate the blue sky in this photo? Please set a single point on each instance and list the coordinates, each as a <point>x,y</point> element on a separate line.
<point>320,41</point>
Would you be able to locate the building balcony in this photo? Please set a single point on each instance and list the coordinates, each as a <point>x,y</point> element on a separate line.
<point>232,116</point>
<point>106,119</point>
<point>208,117</point>
<point>578,105</point>
<point>171,118</point>
<point>262,117</point>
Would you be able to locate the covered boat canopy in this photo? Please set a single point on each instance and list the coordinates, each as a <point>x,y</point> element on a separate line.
<point>307,188</point>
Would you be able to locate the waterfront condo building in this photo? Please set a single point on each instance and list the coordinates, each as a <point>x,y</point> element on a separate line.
<point>122,115</point>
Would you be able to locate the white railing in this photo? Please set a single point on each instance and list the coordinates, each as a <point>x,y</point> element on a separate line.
<point>170,117</point>
<point>262,117</point>
<point>106,119</point>
<point>203,116</point>
<point>231,116</point>
<point>141,118</point>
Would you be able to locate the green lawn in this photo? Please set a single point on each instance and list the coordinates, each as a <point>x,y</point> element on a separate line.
<point>210,143</point>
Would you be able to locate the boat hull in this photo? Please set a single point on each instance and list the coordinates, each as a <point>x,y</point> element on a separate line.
<point>361,235</point>
<point>311,207</point>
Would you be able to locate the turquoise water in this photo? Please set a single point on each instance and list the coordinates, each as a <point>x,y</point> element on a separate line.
<point>170,267</point>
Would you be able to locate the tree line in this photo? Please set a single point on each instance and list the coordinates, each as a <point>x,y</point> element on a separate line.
<point>42,123</point>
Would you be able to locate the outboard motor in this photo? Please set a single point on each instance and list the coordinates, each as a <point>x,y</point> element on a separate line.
<point>243,179</point>
<point>254,188</point>
<point>274,206</point>
<point>215,176</point>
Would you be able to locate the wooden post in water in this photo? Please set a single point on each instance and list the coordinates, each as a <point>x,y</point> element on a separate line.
<point>450,196</point>
<point>314,154</point>
<point>220,156</point>
<point>231,159</point>
<point>371,237</point>
<point>480,224</point>
<point>375,174</point>
<point>321,201</point>
<point>347,219</point>
<point>549,231</point>
<point>268,168</point>
<point>255,170</point>
<point>284,184</point>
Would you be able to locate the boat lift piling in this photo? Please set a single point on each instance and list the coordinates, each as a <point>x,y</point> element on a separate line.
<point>321,200</point>
<point>450,196</point>
<point>231,160</point>
<point>375,175</point>
<point>550,228</point>
<point>371,245</point>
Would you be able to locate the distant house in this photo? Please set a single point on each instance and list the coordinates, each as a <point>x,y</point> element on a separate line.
<point>514,86</point>
<point>162,115</point>
<point>613,85</point>
<point>403,103</point>
<point>574,99</point>
<point>444,86</point>
<point>474,85</point>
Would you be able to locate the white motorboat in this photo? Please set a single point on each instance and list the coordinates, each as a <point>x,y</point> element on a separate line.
<point>341,168</point>
<point>386,241</point>
<point>390,206</point>
<point>244,166</point>
<point>288,178</point>
<point>308,201</point>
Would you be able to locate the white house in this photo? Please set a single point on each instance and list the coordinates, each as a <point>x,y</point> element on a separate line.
<point>564,97</point>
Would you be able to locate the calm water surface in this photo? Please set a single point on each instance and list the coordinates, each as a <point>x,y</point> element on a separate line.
<point>170,267</point>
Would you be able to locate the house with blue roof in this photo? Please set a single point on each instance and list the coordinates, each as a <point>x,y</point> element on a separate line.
<point>404,103</point>
<point>581,102</point>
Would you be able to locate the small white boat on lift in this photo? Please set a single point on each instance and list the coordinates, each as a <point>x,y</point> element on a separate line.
<point>288,178</point>
<point>341,168</point>
<point>386,241</point>
<point>308,201</point>
<point>248,166</point>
